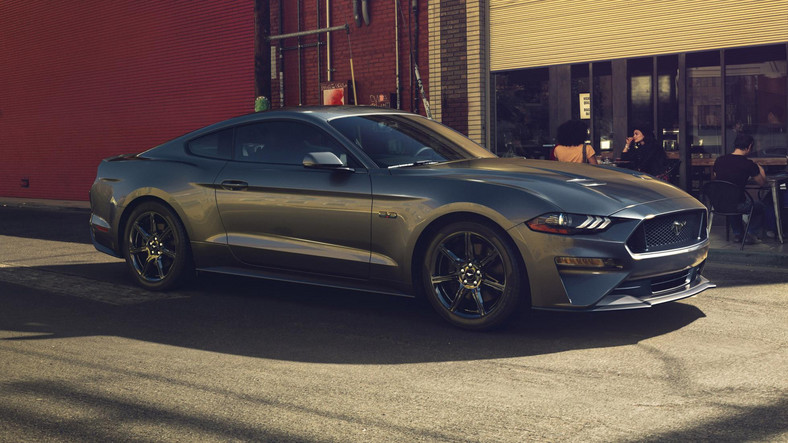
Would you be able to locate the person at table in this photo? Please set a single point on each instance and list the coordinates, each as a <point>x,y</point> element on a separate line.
<point>571,143</point>
<point>738,169</point>
<point>642,153</point>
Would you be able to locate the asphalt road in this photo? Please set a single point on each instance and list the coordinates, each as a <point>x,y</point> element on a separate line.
<point>87,356</point>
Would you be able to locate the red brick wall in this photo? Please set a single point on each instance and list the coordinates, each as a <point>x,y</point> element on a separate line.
<point>373,50</point>
<point>454,65</point>
<point>80,81</point>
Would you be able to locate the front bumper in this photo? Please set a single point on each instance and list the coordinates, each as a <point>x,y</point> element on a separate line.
<point>628,281</point>
<point>644,293</point>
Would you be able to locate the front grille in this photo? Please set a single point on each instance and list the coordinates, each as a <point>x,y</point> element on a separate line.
<point>669,231</point>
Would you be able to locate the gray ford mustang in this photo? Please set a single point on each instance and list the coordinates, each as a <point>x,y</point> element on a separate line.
<point>387,201</point>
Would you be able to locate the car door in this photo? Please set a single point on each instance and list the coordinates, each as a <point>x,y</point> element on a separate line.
<point>280,214</point>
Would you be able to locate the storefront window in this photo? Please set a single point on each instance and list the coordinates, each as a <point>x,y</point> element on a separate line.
<point>522,113</point>
<point>603,106</point>
<point>612,96</point>
<point>641,108</point>
<point>581,93</point>
<point>704,103</point>
<point>668,102</point>
<point>755,94</point>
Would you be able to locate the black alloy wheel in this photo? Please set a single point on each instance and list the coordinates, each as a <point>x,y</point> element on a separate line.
<point>156,247</point>
<point>470,276</point>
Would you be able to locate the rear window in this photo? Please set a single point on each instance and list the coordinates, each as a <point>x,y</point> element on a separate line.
<point>216,145</point>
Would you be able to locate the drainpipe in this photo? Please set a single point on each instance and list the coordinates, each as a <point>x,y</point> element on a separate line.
<point>298,43</point>
<point>281,62</point>
<point>396,50</point>
<point>414,5</point>
<point>328,41</point>
<point>365,12</point>
<point>317,14</point>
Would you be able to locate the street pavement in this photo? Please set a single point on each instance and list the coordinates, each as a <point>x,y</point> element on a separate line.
<point>87,356</point>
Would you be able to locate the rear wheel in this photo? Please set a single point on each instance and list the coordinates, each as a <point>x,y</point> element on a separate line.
<point>471,277</point>
<point>156,247</point>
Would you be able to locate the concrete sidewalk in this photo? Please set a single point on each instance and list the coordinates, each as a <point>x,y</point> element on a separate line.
<point>768,253</point>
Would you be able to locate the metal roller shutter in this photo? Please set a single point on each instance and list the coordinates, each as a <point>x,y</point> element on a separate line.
<point>84,80</point>
<point>528,33</point>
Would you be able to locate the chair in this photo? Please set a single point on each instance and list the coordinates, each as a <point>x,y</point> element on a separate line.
<point>728,199</point>
<point>670,174</point>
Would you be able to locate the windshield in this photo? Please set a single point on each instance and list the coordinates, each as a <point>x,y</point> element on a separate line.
<point>395,140</point>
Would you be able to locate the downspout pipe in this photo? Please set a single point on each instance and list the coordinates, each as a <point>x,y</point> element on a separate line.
<point>281,60</point>
<point>357,13</point>
<point>365,11</point>
<point>298,42</point>
<point>396,51</point>
<point>317,14</point>
<point>414,6</point>
<point>328,41</point>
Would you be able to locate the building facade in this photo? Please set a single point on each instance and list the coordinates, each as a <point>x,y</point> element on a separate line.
<point>696,72</point>
<point>81,81</point>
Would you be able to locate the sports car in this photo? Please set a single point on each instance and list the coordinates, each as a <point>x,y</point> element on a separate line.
<point>388,201</point>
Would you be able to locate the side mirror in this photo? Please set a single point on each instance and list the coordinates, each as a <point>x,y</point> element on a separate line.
<point>324,160</point>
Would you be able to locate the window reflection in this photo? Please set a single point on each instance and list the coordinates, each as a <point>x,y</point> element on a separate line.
<point>603,106</point>
<point>668,102</point>
<point>522,114</point>
<point>704,103</point>
<point>580,89</point>
<point>640,104</point>
<point>755,92</point>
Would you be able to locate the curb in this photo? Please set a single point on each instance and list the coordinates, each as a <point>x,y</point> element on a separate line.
<point>747,258</point>
<point>55,205</point>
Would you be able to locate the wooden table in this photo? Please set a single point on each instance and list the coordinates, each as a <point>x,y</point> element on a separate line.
<point>708,160</point>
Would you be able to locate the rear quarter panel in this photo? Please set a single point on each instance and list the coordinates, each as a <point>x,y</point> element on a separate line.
<point>186,185</point>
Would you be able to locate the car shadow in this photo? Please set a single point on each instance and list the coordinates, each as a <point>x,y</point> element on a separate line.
<point>293,322</point>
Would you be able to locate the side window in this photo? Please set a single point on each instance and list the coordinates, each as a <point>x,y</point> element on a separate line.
<point>216,145</point>
<point>284,142</point>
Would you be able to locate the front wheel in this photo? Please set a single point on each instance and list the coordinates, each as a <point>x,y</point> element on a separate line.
<point>156,247</point>
<point>471,277</point>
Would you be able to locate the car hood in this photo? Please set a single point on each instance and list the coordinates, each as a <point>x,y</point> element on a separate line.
<point>602,190</point>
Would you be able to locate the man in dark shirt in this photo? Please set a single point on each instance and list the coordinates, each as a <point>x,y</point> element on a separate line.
<point>738,169</point>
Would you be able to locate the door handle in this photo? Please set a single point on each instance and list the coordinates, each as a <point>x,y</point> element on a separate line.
<point>234,185</point>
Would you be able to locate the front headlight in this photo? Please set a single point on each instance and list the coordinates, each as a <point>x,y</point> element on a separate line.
<point>567,224</point>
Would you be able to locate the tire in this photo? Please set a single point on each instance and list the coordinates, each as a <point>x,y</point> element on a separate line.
<point>156,248</point>
<point>471,276</point>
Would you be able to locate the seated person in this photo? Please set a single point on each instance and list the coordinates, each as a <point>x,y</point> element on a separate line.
<point>571,143</point>
<point>643,153</point>
<point>738,169</point>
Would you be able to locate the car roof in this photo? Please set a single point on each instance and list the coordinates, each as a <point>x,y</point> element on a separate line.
<point>319,112</point>
<point>314,113</point>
